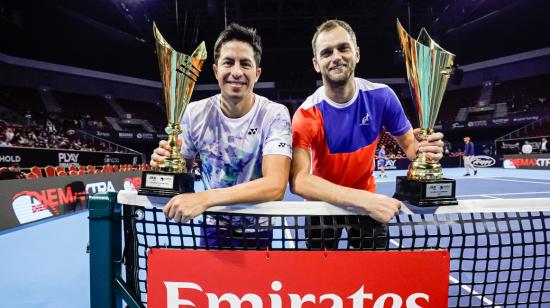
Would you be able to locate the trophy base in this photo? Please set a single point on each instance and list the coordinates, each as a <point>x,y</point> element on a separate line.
<point>166,184</point>
<point>426,193</point>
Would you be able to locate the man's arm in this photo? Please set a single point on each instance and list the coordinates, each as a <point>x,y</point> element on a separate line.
<point>433,146</point>
<point>270,187</point>
<point>310,187</point>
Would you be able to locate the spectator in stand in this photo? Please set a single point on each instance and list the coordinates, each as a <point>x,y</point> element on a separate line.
<point>527,148</point>
<point>13,172</point>
<point>469,155</point>
<point>382,161</point>
<point>50,128</point>
<point>543,148</point>
<point>28,118</point>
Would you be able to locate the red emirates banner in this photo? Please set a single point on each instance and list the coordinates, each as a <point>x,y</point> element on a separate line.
<point>277,279</point>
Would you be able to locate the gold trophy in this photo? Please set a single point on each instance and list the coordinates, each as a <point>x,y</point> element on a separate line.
<point>428,70</point>
<point>179,73</point>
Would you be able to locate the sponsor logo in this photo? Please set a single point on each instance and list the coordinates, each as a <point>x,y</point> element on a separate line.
<point>111,160</point>
<point>162,136</point>
<point>479,123</point>
<point>174,289</point>
<point>10,158</point>
<point>508,164</point>
<point>365,120</point>
<point>523,119</point>
<point>510,146</point>
<point>93,188</point>
<point>34,205</point>
<point>390,164</point>
<point>102,134</point>
<point>533,163</point>
<point>68,159</point>
<point>132,184</point>
<point>125,135</point>
<point>500,121</point>
<point>144,136</point>
<point>252,131</point>
<point>457,125</point>
<point>483,161</point>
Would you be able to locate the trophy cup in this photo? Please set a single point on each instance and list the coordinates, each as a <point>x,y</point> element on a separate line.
<point>428,71</point>
<point>179,73</point>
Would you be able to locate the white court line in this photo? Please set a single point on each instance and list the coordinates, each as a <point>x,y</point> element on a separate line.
<point>508,194</point>
<point>466,288</point>
<point>520,181</point>
<point>490,197</point>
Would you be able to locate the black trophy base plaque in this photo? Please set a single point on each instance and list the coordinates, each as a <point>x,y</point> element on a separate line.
<point>426,193</point>
<point>166,184</point>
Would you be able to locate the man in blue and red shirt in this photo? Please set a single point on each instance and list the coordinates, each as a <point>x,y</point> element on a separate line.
<point>336,130</point>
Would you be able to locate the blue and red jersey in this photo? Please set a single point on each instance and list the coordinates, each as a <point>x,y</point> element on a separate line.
<point>343,137</point>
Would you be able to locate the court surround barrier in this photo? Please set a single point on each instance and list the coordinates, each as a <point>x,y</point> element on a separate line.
<point>499,249</point>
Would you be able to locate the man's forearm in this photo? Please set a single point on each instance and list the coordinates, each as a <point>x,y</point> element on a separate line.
<point>312,187</point>
<point>259,190</point>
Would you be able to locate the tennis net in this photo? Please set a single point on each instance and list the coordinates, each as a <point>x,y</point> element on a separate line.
<point>499,250</point>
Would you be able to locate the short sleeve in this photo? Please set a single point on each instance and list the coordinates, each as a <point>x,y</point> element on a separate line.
<point>394,119</point>
<point>188,148</point>
<point>304,128</point>
<point>278,139</point>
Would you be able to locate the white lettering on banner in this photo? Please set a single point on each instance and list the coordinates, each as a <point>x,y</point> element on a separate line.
<point>68,157</point>
<point>172,293</point>
<point>108,159</point>
<point>93,188</point>
<point>102,134</point>
<point>125,135</point>
<point>390,164</point>
<point>457,125</point>
<point>10,159</point>
<point>233,300</point>
<point>543,162</point>
<point>358,298</point>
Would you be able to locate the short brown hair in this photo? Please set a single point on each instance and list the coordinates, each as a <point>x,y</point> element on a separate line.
<point>242,34</point>
<point>329,25</point>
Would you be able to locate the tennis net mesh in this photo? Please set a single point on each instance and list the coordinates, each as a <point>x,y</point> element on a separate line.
<point>498,259</point>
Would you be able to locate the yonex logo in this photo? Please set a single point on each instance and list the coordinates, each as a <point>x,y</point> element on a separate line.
<point>365,120</point>
<point>252,131</point>
<point>282,145</point>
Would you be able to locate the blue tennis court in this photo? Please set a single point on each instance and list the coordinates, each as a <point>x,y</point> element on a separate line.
<point>45,264</point>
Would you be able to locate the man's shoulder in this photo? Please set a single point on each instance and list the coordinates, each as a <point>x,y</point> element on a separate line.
<point>317,97</point>
<point>366,85</point>
<point>270,106</point>
<point>202,104</point>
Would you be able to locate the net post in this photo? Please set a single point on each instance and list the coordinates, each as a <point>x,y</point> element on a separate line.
<point>105,249</point>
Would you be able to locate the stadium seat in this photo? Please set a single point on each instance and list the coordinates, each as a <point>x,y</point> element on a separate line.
<point>90,169</point>
<point>31,175</point>
<point>73,172</point>
<point>37,171</point>
<point>62,173</point>
<point>72,168</point>
<point>50,171</point>
<point>59,169</point>
<point>81,172</point>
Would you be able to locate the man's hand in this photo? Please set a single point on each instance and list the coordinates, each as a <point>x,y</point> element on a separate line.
<point>184,207</point>
<point>162,152</point>
<point>379,207</point>
<point>433,146</point>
